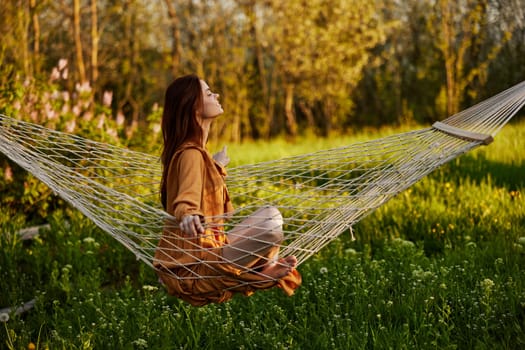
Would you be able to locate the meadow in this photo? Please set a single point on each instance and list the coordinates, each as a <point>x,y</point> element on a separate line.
<point>441,266</point>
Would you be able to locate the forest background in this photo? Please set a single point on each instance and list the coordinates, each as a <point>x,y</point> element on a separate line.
<point>99,68</point>
<point>281,67</point>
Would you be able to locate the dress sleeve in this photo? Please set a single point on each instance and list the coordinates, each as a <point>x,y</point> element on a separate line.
<point>190,171</point>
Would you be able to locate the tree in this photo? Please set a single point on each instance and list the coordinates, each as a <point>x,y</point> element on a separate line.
<point>176,46</point>
<point>461,29</point>
<point>20,34</point>
<point>78,41</point>
<point>508,68</point>
<point>261,77</point>
<point>280,66</point>
<point>321,55</point>
<point>94,42</point>
<point>403,78</point>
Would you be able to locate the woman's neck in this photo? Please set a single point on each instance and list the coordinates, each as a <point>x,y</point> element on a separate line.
<point>206,123</point>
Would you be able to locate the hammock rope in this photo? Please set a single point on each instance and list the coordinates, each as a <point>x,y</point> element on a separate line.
<point>320,195</point>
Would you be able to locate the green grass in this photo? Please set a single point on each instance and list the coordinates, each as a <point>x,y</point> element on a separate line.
<point>441,266</point>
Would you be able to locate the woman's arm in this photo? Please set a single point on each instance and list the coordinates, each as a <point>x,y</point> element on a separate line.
<point>187,203</point>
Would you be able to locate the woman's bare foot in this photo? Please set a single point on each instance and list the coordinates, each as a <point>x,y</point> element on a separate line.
<point>280,268</point>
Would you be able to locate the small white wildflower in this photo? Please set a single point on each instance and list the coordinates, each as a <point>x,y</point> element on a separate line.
<point>351,251</point>
<point>149,288</point>
<point>399,242</point>
<point>141,343</point>
<point>408,244</point>
<point>427,274</point>
<point>89,240</point>
<point>487,284</point>
<point>418,273</point>
<point>4,317</point>
<point>323,270</point>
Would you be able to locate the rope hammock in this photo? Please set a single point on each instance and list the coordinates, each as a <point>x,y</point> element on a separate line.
<point>320,195</point>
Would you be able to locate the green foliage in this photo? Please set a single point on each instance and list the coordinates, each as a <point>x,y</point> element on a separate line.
<point>52,104</point>
<point>322,53</point>
<point>291,65</point>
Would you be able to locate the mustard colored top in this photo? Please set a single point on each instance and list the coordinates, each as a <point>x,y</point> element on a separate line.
<point>192,268</point>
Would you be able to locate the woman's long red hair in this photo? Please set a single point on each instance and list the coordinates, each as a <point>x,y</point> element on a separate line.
<point>179,122</point>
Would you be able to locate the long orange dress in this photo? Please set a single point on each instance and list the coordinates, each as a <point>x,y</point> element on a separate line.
<point>192,268</point>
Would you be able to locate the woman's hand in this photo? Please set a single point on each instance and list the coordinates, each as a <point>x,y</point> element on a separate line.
<point>191,225</point>
<point>221,157</point>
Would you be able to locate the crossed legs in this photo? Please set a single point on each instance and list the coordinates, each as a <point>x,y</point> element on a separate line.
<point>258,237</point>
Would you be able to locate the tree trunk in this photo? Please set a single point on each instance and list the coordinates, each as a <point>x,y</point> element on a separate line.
<point>94,43</point>
<point>291,123</point>
<point>449,55</point>
<point>307,111</point>
<point>36,37</point>
<point>259,56</point>
<point>23,21</point>
<point>78,41</point>
<point>176,48</point>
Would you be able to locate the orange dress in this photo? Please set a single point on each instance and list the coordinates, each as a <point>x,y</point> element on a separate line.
<point>192,268</point>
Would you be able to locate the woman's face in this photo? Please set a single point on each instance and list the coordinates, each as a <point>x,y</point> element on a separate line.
<point>211,107</point>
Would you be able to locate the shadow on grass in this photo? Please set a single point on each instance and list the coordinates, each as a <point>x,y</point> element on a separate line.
<point>477,168</point>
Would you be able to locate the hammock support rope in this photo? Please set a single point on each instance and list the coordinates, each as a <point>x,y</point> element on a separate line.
<point>320,195</point>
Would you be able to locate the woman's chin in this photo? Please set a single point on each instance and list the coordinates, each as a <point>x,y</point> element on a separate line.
<point>213,116</point>
<point>219,112</point>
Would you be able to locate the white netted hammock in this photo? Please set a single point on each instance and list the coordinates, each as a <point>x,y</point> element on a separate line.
<point>320,195</point>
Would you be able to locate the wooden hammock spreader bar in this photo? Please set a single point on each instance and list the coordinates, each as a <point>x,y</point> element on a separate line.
<point>463,134</point>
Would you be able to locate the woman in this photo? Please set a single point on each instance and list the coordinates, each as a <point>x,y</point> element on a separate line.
<point>197,260</point>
